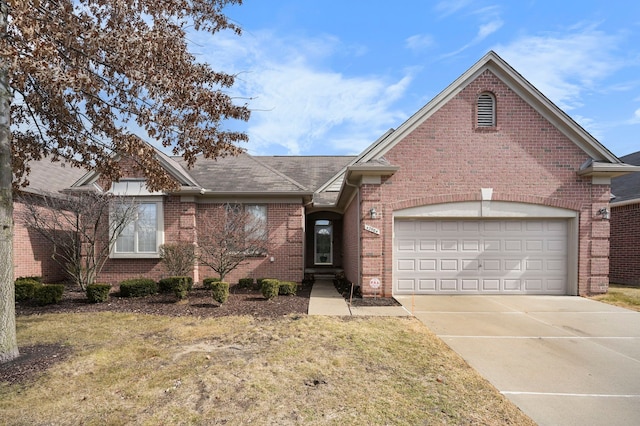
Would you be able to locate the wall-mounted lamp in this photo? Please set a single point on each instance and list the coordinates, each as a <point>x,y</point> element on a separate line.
<point>604,212</point>
<point>373,213</point>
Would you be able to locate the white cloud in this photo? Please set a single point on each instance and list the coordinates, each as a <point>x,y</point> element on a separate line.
<point>563,66</point>
<point>636,117</point>
<point>299,104</point>
<point>449,7</point>
<point>419,42</point>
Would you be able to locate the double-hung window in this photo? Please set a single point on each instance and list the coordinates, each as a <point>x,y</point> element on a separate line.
<point>143,232</point>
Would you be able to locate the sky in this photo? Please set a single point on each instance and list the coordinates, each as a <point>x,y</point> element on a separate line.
<point>330,77</point>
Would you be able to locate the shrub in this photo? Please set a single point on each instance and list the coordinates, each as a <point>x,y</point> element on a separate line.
<point>168,285</point>
<point>245,282</point>
<point>288,288</point>
<point>220,291</point>
<point>25,288</point>
<point>206,283</point>
<point>31,278</point>
<point>269,288</point>
<point>137,287</point>
<point>181,287</point>
<point>98,292</point>
<point>48,294</point>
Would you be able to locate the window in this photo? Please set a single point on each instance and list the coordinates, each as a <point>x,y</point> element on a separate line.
<point>143,235</point>
<point>256,226</point>
<point>486,114</point>
<point>246,228</point>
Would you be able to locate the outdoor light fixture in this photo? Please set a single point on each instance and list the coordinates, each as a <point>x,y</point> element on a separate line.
<point>373,213</point>
<point>604,212</point>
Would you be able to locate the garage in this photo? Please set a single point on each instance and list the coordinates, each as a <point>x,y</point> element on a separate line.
<point>485,256</point>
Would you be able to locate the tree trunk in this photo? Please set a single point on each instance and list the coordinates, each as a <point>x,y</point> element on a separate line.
<point>8,342</point>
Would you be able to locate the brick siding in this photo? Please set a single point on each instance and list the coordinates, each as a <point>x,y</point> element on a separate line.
<point>32,252</point>
<point>624,265</point>
<point>182,222</point>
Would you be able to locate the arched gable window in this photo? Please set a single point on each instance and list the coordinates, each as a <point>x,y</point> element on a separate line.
<point>486,114</point>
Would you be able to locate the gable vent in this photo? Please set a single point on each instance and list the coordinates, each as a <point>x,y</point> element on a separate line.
<point>486,110</point>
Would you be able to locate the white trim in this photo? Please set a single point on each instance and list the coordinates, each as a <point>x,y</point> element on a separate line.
<point>492,209</point>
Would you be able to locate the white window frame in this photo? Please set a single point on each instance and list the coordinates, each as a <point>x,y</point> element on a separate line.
<point>136,253</point>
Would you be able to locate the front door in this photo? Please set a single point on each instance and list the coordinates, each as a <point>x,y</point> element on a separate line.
<point>323,252</point>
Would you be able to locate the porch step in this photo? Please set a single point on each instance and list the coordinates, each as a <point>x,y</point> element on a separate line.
<point>323,273</point>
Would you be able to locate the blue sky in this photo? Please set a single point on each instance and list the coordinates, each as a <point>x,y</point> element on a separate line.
<point>329,77</point>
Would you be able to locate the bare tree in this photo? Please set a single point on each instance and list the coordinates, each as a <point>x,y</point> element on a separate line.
<point>232,236</point>
<point>82,228</point>
<point>76,76</point>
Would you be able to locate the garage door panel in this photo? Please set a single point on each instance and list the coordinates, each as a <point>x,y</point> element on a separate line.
<point>406,245</point>
<point>475,256</point>
<point>428,284</point>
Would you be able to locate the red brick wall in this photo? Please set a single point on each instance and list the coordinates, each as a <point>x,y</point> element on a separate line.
<point>286,232</point>
<point>524,159</point>
<point>350,242</point>
<point>181,223</point>
<point>32,252</point>
<point>624,267</point>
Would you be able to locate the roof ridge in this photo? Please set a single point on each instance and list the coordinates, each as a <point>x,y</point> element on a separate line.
<point>279,173</point>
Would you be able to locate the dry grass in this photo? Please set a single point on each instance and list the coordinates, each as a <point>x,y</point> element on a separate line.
<point>621,295</point>
<point>143,369</point>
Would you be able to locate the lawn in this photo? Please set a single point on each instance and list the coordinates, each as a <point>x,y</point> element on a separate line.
<point>621,295</point>
<point>128,368</point>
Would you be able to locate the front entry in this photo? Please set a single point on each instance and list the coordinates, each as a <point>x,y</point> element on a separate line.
<point>323,242</point>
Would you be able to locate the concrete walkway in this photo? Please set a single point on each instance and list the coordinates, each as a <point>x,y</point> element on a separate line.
<point>563,360</point>
<point>325,300</point>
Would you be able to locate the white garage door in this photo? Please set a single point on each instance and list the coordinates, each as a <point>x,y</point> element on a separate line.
<point>480,256</point>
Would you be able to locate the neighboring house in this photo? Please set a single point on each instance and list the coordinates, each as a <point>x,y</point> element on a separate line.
<point>488,189</point>
<point>624,262</point>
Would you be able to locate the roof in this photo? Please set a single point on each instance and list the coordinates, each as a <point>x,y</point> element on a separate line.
<point>627,188</point>
<point>264,174</point>
<point>52,177</point>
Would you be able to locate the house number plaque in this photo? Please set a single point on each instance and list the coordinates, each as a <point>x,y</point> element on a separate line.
<point>372,229</point>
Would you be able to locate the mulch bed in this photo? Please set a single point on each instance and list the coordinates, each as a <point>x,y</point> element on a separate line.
<point>242,301</point>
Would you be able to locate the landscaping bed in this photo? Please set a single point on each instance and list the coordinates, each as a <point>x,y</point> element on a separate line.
<point>241,301</point>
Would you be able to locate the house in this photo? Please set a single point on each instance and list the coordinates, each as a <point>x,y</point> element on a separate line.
<point>488,189</point>
<point>624,266</point>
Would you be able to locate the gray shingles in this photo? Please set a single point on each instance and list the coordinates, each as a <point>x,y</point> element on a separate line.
<point>52,177</point>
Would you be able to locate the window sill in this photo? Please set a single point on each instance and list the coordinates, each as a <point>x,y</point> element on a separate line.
<point>134,256</point>
<point>487,129</point>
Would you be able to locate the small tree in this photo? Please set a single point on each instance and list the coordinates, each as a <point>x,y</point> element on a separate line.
<point>82,228</point>
<point>178,258</point>
<point>232,236</point>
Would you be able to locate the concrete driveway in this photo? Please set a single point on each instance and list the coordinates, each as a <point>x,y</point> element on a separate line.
<point>563,360</point>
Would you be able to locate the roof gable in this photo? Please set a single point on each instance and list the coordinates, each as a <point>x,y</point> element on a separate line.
<point>516,82</point>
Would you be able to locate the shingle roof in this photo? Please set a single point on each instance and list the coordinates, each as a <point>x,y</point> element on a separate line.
<point>52,177</point>
<point>242,174</point>
<point>310,171</point>
<point>627,187</point>
<point>264,174</point>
